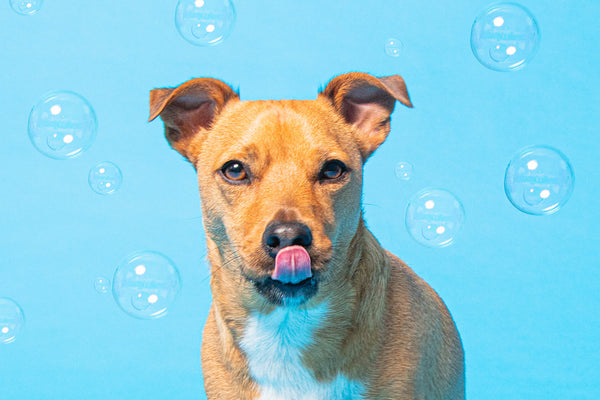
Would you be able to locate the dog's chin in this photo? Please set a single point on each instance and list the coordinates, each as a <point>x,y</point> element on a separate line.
<point>286,294</point>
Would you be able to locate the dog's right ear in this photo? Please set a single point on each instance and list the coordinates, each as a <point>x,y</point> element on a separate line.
<point>366,102</point>
<point>189,110</point>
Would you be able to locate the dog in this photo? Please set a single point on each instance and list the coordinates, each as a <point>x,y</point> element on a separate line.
<point>307,305</point>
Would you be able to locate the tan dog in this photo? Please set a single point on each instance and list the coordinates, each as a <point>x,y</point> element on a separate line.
<point>306,303</point>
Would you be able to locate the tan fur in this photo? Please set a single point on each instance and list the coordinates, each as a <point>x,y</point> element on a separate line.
<point>387,329</point>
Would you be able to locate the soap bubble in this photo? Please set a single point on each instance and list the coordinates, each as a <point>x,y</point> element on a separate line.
<point>102,285</point>
<point>204,22</point>
<point>12,320</point>
<point>504,37</point>
<point>62,125</point>
<point>26,7</point>
<point>393,47</point>
<point>539,180</point>
<point>146,284</point>
<point>105,178</point>
<point>404,170</point>
<point>434,217</point>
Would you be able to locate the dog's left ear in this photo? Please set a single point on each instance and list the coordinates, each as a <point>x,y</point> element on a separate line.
<point>366,102</point>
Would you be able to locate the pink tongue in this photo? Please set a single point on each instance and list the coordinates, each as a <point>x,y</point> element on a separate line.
<point>292,265</point>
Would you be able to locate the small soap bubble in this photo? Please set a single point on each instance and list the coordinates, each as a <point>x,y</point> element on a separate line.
<point>26,7</point>
<point>205,22</point>
<point>404,170</point>
<point>12,320</point>
<point>434,217</point>
<point>504,37</point>
<point>146,284</point>
<point>62,125</point>
<point>393,47</point>
<point>539,180</point>
<point>102,284</point>
<point>105,178</point>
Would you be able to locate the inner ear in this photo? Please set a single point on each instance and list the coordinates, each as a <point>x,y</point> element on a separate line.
<point>366,106</point>
<point>190,113</point>
<point>189,102</point>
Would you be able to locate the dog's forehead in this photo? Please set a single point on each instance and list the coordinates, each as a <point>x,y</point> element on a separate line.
<point>264,116</point>
<point>284,126</point>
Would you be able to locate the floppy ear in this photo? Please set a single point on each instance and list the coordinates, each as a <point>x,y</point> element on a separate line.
<point>366,102</point>
<point>189,110</point>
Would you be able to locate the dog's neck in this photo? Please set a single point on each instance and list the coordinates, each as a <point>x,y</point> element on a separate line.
<point>370,272</point>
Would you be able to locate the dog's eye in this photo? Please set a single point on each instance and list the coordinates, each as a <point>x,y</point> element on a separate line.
<point>234,171</point>
<point>332,170</point>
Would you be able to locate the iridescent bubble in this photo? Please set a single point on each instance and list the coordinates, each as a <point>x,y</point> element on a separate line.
<point>404,170</point>
<point>62,125</point>
<point>105,178</point>
<point>102,284</point>
<point>504,37</point>
<point>12,320</point>
<point>539,180</point>
<point>204,22</point>
<point>146,284</point>
<point>434,217</point>
<point>26,7</point>
<point>393,47</point>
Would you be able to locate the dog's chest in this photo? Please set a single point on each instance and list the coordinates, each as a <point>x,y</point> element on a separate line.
<point>273,345</point>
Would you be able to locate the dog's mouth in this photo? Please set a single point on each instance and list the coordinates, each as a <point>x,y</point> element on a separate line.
<point>292,280</point>
<point>280,293</point>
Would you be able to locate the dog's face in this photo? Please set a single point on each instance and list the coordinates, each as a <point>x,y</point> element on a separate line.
<point>276,174</point>
<point>280,181</point>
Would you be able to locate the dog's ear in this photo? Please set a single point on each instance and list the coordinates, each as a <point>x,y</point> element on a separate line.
<point>366,102</point>
<point>189,110</point>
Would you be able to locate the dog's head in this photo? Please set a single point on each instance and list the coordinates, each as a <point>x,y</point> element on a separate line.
<point>280,181</point>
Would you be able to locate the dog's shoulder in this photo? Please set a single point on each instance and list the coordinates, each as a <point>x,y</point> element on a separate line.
<point>406,286</point>
<point>410,294</point>
<point>422,336</point>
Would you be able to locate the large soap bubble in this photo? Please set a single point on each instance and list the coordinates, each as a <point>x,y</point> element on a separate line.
<point>12,320</point>
<point>204,22</point>
<point>146,284</point>
<point>434,217</point>
<point>504,37</point>
<point>62,125</point>
<point>539,180</point>
<point>26,7</point>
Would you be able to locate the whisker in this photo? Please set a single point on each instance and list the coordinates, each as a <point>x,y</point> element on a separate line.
<point>230,258</point>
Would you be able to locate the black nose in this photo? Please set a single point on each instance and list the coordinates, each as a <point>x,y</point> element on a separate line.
<point>282,234</point>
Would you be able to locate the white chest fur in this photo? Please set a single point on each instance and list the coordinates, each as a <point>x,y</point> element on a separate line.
<point>273,344</point>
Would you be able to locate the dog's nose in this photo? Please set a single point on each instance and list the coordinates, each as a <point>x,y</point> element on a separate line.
<point>282,234</point>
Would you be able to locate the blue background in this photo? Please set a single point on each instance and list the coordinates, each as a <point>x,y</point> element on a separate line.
<point>523,290</point>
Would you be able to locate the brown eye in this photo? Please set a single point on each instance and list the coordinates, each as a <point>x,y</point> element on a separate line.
<point>234,171</point>
<point>332,170</point>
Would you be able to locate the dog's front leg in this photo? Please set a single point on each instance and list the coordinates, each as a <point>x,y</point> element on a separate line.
<point>224,371</point>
